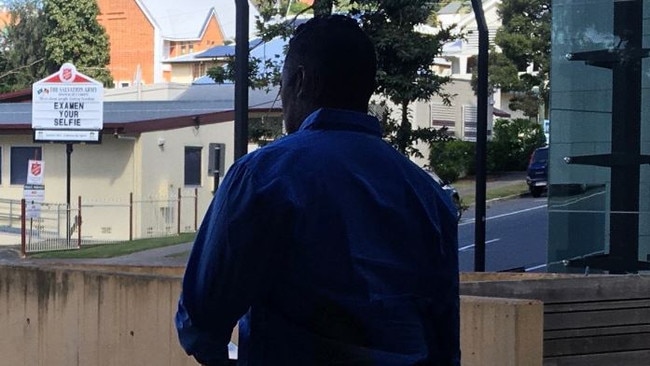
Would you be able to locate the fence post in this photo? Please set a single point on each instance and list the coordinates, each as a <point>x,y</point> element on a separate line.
<point>23,239</point>
<point>79,224</point>
<point>178,226</point>
<point>196,207</point>
<point>131,216</point>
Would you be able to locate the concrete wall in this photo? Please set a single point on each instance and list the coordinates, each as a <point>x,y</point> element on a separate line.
<point>108,315</point>
<point>67,317</point>
<point>498,331</point>
<point>595,320</point>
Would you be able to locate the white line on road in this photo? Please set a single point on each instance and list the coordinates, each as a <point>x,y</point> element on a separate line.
<point>505,214</point>
<point>467,247</point>
<point>535,267</point>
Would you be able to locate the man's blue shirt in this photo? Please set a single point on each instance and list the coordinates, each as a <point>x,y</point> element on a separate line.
<point>336,248</point>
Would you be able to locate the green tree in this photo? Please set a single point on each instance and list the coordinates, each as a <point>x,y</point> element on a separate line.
<point>404,57</point>
<point>73,34</point>
<point>22,57</point>
<point>404,60</point>
<point>524,38</point>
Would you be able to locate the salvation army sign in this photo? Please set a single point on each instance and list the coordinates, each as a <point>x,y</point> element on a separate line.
<point>35,172</point>
<point>67,106</point>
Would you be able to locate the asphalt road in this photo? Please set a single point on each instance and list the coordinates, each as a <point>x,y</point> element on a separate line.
<point>516,236</point>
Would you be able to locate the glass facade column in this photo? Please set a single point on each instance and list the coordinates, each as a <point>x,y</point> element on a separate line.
<point>599,161</point>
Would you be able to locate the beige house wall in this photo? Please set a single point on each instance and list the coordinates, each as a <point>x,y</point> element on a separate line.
<point>149,166</point>
<point>103,175</point>
<point>96,170</point>
<point>182,73</point>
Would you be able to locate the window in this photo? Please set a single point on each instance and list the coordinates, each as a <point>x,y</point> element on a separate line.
<point>192,166</point>
<point>472,63</point>
<point>20,156</point>
<point>198,70</point>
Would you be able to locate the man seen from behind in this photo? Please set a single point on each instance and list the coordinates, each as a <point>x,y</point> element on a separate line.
<point>329,245</point>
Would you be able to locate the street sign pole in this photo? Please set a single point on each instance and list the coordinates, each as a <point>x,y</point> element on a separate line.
<point>241,78</point>
<point>68,108</point>
<point>481,137</point>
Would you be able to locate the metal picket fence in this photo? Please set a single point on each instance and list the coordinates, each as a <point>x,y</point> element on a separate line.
<point>9,215</point>
<point>99,221</point>
<point>49,230</point>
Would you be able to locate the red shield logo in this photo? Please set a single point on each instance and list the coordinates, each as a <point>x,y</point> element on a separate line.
<point>36,169</point>
<point>66,74</point>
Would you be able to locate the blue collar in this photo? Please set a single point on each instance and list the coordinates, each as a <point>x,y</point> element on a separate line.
<point>340,119</point>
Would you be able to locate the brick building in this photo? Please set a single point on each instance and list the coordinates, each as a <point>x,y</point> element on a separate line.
<point>144,33</point>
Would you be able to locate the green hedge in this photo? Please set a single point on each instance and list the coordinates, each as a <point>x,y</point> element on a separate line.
<point>509,150</point>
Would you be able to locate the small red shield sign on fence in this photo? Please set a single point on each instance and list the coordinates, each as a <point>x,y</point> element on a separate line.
<point>36,168</point>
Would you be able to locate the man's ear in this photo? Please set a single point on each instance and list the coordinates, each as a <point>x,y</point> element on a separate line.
<point>299,82</point>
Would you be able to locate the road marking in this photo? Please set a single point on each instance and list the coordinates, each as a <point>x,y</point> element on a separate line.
<point>576,200</point>
<point>535,267</point>
<point>505,214</point>
<point>467,247</point>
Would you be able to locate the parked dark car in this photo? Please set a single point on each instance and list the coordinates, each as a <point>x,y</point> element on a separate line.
<point>537,174</point>
<point>451,191</point>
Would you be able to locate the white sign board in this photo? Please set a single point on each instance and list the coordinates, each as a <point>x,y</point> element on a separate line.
<point>67,100</point>
<point>35,169</point>
<point>34,195</point>
<point>66,135</point>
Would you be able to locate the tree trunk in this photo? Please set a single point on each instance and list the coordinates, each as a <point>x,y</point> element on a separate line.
<point>404,131</point>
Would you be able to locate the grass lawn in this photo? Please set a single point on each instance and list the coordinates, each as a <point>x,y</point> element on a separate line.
<point>117,249</point>
<point>514,189</point>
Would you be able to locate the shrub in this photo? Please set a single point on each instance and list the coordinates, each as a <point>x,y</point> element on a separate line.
<point>514,141</point>
<point>452,159</point>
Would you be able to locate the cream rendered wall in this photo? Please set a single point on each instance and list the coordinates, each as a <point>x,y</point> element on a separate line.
<point>162,166</point>
<point>421,117</point>
<point>102,174</point>
<point>182,73</point>
<point>8,191</point>
<point>97,171</point>
<point>105,175</point>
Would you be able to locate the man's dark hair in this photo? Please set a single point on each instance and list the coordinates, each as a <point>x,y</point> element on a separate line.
<point>340,55</point>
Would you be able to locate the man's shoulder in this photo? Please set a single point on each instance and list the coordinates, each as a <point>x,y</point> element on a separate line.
<point>273,153</point>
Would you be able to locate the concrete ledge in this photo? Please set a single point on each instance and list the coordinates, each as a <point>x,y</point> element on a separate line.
<point>122,315</point>
<point>595,320</point>
<point>55,316</point>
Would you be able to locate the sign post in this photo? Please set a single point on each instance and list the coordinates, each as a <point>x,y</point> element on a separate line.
<point>68,107</point>
<point>34,189</point>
